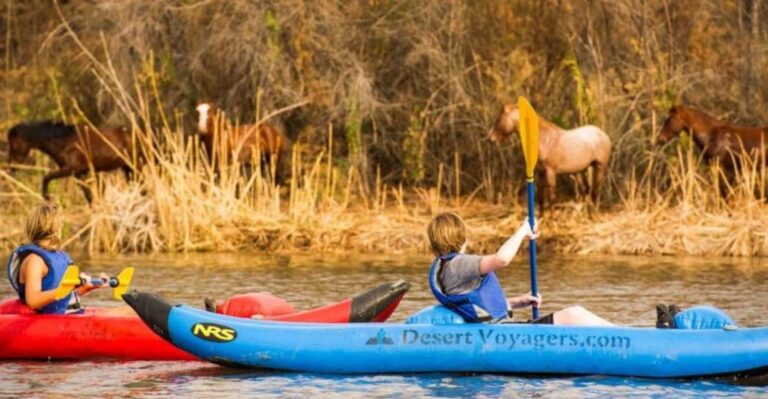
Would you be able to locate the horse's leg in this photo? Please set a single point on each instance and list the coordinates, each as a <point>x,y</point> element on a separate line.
<point>84,186</point>
<point>599,171</point>
<point>582,184</point>
<point>266,167</point>
<point>551,186</point>
<point>53,176</point>
<point>127,172</point>
<point>541,187</point>
<point>277,164</point>
<point>246,171</point>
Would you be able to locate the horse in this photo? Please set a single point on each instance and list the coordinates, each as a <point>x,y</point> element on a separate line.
<point>561,151</point>
<point>241,141</point>
<point>718,140</point>
<point>74,149</point>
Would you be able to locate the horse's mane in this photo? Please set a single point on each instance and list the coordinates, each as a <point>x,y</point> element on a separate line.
<point>708,117</point>
<point>545,123</point>
<point>42,130</point>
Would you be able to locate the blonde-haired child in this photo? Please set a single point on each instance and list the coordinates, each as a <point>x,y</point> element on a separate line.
<point>468,285</point>
<point>36,269</point>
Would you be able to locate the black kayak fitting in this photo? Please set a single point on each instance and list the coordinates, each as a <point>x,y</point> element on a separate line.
<point>369,305</point>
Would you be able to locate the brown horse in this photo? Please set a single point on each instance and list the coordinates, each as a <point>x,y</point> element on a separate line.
<point>717,140</point>
<point>241,141</point>
<point>561,151</point>
<point>74,149</point>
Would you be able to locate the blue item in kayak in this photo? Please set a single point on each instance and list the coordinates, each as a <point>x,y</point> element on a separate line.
<point>703,317</point>
<point>469,347</point>
<point>437,315</point>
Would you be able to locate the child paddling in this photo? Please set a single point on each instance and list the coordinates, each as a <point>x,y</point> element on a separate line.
<point>467,284</point>
<point>36,269</point>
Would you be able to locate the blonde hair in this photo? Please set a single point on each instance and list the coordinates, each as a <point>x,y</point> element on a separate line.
<point>446,233</point>
<point>44,224</point>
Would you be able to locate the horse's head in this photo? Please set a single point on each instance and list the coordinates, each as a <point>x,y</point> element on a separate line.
<point>18,147</point>
<point>506,123</point>
<point>206,113</point>
<point>673,125</point>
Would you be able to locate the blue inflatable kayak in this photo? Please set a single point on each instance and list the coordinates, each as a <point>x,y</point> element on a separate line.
<point>436,341</point>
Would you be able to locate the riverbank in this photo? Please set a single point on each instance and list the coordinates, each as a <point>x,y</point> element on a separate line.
<point>124,220</point>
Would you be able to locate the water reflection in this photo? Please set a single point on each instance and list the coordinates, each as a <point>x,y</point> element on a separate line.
<point>622,289</point>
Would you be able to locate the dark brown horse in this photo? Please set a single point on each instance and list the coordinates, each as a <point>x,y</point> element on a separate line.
<point>561,151</point>
<point>241,142</point>
<point>74,149</point>
<point>718,140</point>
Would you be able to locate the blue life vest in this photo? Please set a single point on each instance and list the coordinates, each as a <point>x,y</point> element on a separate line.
<point>57,262</point>
<point>486,303</point>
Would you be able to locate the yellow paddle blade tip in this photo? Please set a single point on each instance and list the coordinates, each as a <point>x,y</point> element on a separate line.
<point>124,278</point>
<point>529,135</point>
<point>68,282</point>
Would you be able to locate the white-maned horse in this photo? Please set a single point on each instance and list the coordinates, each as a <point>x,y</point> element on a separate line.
<point>239,142</point>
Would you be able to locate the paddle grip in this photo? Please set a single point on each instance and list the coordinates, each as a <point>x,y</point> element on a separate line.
<point>97,282</point>
<point>532,247</point>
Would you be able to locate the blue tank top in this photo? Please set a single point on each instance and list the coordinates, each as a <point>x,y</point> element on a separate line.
<point>57,262</point>
<point>485,303</point>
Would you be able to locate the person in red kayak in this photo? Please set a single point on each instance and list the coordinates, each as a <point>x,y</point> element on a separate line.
<point>467,284</point>
<point>35,270</point>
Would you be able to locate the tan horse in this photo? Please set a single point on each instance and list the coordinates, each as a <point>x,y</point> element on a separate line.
<point>240,142</point>
<point>561,151</point>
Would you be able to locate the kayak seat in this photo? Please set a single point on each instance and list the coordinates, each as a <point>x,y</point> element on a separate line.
<point>702,318</point>
<point>437,315</point>
<point>255,305</point>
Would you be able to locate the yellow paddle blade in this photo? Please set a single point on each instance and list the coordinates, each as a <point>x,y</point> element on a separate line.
<point>70,280</point>
<point>124,282</point>
<point>529,135</point>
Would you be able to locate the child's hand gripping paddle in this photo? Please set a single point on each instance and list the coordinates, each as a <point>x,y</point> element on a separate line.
<point>529,137</point>
<point>72,279</point>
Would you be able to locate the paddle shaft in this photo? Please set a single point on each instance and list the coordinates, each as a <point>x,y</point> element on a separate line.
<point>72,279</point>
<point>532,247</point>
<point>113,282</point>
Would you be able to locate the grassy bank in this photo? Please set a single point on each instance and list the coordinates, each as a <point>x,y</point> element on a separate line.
<point>179,204</point>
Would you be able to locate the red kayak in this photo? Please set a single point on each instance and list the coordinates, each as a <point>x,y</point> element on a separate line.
<point>27,335</point>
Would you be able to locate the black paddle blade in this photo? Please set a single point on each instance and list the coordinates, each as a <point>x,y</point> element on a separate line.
<point>152,309</point>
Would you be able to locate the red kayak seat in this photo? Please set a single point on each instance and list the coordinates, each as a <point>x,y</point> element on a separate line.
<point>258,304</point>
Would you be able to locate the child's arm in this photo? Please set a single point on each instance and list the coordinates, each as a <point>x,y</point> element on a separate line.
<point>33,269</point>
<point>504,255</point>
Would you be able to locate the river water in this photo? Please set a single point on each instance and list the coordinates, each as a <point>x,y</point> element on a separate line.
<point>621,289</point>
